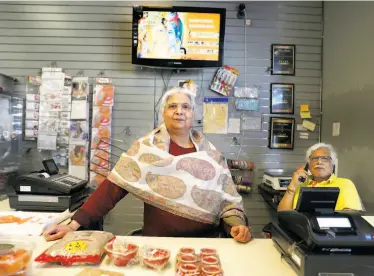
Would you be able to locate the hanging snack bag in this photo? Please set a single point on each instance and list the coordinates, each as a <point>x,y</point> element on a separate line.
<point>81,247</point>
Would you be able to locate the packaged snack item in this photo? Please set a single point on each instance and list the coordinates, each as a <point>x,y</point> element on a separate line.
<point>81,247</point>
<point>211,270</point>
<point>98,272</point>
<point>207,252</point>
<point>154,258</point>
<point>186,259</point>
<point>187,250</point>
<point>122,253</point>
<point>99,160</point>
<point>209,260</point>
<point>206,260</point>
<point>103,133</point>
<point>188,270</point>
<point>15,257</point>
<point>101,116</point>
<point>104,95</point>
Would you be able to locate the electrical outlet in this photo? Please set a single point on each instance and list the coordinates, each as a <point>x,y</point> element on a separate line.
<point>248,22</point>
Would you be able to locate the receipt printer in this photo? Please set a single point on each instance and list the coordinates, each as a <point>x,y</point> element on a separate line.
<point>48,190</point>
<point>316,240</point>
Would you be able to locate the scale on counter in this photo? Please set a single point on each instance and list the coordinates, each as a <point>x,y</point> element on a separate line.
<point>277,179</point>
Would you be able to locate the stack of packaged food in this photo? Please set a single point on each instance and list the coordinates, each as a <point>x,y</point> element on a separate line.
<point>203,263</point>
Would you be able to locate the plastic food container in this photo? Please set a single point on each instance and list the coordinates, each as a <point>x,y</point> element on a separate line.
<point>121,253</point>
<point>209,260</point>
<point>207,252</point>
<point>155,258</point>
<point>188,270</point>
<point>15,257</point>
<point>187,250</point>
<point>211,270</point>
<point>186,259</point>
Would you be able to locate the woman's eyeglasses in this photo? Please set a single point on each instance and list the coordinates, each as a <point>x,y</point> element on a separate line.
<point>324,159</point>
<point>185,107</point>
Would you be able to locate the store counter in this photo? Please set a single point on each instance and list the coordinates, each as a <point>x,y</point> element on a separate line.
<point>258,257</point>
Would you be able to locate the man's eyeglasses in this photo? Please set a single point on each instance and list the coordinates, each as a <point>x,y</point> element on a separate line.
<point>185,107</point>
<point>324,159</point>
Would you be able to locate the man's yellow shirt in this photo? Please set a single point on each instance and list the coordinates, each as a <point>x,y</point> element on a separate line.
<point>348,196</point>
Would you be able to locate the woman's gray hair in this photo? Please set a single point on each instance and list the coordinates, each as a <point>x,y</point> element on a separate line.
<point>317,146</point>
<point>170,93</point>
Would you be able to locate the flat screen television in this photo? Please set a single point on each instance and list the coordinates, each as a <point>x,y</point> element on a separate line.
<point>178,37</point>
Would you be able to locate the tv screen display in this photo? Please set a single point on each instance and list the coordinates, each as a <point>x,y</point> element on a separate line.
<point>178,37</point>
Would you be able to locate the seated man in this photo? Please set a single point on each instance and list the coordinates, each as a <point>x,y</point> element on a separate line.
<point>321,160</point>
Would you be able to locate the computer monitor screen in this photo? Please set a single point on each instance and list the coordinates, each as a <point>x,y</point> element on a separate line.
<point>313,200</point>
<point>333,222</point>
<point>50,166</point>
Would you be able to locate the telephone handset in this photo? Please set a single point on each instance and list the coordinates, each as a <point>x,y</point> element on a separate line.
<point>306,168</point>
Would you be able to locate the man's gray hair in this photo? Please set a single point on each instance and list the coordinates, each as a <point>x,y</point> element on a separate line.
<point>317,146</point>
<point>170,93</point>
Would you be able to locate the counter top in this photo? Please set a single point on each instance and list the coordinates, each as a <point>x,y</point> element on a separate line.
<point>259,257</point>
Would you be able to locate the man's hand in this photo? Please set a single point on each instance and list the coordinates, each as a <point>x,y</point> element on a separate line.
<point>241,233</point>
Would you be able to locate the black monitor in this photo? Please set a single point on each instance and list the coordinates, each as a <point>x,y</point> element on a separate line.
<point>50,166</point>
<point>317,200</point>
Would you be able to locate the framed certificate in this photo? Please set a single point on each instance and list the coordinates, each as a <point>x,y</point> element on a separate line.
<point>282,98</point>
<point>281,133</point>
<point>283,59</point>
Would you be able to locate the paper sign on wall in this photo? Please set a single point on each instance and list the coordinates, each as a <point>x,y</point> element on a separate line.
<point>304,107</point>
<point>215,115</point>
<point>304,111</point>
<point>309,125</point>
<point>299,127</point>
<point>234,125</point>
<point>252,123</point>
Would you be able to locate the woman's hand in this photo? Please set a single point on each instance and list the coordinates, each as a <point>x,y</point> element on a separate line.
<point>57,232</point>
<point>241,233</point>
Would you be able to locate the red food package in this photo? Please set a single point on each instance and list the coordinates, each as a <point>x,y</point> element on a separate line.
<point>81,247</point>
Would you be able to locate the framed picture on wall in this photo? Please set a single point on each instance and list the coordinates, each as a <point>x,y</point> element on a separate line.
<point>281,133</point>
<point>282,98</point>
<point>283,59</point>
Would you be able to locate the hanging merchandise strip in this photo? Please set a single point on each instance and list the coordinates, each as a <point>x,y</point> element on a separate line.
<point>32,107</point>
<point>60,156</point>
<point>103,100</point>
<point>78,128</point>
<point>50,107</point>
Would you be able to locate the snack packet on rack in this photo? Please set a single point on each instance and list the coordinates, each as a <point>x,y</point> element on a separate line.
<point>154,258</point>
<point>83,247</point>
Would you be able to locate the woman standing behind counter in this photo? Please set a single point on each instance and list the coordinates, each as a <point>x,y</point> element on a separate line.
<point>184,182</point>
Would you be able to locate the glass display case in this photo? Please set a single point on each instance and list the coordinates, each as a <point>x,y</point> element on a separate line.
<point>11,120</point>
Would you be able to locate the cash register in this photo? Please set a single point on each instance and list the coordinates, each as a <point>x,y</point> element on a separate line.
<point>316,240</point>
<point>48,190</point>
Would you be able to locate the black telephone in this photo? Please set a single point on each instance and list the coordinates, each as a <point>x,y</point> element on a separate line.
<point>306,168</point>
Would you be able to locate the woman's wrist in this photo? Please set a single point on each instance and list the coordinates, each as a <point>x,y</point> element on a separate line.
<point>73,225</point>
